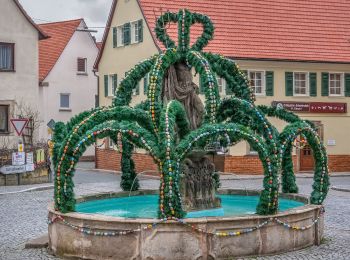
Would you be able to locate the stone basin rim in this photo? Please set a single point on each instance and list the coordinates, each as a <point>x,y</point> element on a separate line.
<point>249,192</point>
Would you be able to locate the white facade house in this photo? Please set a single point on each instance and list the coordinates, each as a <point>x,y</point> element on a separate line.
<point>68,85</point>
<point>19,68</point>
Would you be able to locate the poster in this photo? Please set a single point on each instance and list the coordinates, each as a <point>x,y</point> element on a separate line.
<point>18,158</point>
<point>30,167</point>
<point>29,158</point>
<point>40,156</point>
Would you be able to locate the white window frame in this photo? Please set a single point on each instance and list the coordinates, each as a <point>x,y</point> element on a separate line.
<point>110,85</point>
<point>307,82</point>
<point>263,81</point>
<point>222,86</point>
<point>341,84</point>
<point>69,101</point>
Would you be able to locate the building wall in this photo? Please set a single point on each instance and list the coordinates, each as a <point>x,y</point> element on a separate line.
<point>64,78</point>
<point>120,60</point>
<point>20,86</point>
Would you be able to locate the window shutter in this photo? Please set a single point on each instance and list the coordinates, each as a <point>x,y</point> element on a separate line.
<point>347,84</point>
<point>140,28</point>
<point>201,85</point>
<point>115,83</point>
<point>313,84</point>
<point>115,37</point>
<point>127,34</point>
<point>289,83</point>
<point>325,84</point>
<point>269,83</point>
<point>106,85</point>
<point>145,84</point>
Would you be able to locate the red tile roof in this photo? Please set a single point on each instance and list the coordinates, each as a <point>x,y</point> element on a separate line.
<point>42,34</point>
<point>314,30</point>
<point>51,49</point>
<point>293,30</point>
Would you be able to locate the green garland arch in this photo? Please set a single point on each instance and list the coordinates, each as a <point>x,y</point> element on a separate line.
<point>151,125</point>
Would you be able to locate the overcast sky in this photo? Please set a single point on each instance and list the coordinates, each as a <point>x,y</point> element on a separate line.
<point>95,12</point>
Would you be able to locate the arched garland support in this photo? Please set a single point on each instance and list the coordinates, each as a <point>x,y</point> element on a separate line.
<point>124,91</point>
<point>96,118</point>
<point>252,117</point>
<point>288,177</point>
<point>139,136</point>
<point>129,181</point>
<point>269,197</point>
<point>321,178</point>
<point>236,80</point>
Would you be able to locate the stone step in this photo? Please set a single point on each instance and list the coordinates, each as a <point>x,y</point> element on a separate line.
<point>39,242</point>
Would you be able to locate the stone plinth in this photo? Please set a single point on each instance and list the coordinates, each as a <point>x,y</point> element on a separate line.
<point>198,187</point>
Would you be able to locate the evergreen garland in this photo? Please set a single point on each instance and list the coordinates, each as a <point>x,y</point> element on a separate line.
<point>129,180</point>
<point>163,130</point>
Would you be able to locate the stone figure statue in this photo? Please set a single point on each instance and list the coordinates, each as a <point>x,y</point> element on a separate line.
<point>197,185</point>
<point>178,84</point>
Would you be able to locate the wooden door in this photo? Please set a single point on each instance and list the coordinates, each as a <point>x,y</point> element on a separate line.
<point>306,155</point>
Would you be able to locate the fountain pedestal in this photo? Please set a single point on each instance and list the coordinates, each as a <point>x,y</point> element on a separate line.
<point>198,187</point>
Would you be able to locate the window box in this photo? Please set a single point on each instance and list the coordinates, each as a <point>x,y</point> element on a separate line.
<point>7,57</point>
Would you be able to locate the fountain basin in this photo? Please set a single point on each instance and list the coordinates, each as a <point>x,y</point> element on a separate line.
<point>174,240</point>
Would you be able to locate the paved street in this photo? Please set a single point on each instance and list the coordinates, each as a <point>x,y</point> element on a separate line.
<point>23,215</point>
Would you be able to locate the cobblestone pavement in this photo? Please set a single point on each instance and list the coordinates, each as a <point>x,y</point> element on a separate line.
<point>23,216</point>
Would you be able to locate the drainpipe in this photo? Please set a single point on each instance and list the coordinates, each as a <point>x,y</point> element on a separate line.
<point>97,97</point>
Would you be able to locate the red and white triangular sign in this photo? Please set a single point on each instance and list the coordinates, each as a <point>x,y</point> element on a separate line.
<point>19,124</point>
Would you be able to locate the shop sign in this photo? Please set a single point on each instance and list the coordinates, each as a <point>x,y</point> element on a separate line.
<point>312,107</point>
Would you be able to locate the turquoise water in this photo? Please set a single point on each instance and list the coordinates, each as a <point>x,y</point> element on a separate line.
<point>146,206</point>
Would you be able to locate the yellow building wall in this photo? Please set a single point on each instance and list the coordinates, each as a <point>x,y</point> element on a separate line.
<point>121,59</point>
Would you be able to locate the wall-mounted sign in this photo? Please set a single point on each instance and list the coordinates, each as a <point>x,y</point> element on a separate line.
<point>19,124</point>
<point>20,147</point>
<point>29,158</point>
<point>10,169</point>
<point>30,167</point>
<point>18,158</point>
<point>312,107</point>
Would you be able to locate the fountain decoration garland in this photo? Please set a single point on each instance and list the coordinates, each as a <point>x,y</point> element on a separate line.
<point>163,129</point>
<point>112,233</point>
<point>129,181</point>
